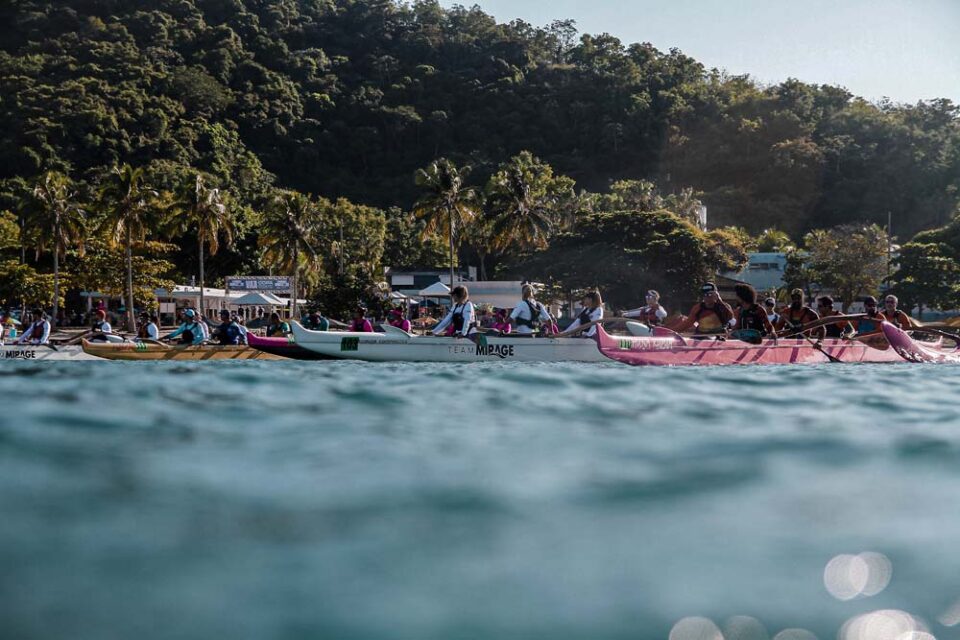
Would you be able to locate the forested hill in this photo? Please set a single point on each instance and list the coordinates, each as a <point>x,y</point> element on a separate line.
<point>348,98</point>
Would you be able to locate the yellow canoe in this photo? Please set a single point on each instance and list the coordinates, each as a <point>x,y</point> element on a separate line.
<point>159,351</point>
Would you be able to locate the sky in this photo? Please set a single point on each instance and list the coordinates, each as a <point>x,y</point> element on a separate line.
<point>905,50</point>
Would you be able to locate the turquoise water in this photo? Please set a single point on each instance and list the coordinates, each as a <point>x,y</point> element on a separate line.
<point>492,501</point>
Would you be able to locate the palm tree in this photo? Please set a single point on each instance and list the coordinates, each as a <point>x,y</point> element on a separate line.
<point>129,205</point>
<point>204,209</point>
<point>519,218</point>
<point>446,204</point>
<point>287,236</point>
<point>58,222</point>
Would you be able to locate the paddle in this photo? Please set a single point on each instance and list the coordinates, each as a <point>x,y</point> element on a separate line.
<point>819,347</point>
<point>822,322</point>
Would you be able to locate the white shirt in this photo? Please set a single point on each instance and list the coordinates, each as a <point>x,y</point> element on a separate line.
<point>153,333</point>
<point>595,314</point>
<point>467,310</point>
<point>27,338</point>
<point>104,327</point>
<point>522,311</point>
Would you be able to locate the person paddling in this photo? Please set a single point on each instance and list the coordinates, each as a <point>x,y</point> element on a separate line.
<point>461,317</point>
<point>652,314</point>
<point>752,321</point>
<point>840,329</point>
<point>228,331</point>
<point>591,310</point>
<point>148,329</point>
<point>709,316</point>
<point>277,327</point>
<point>39,330</point>
<point>397,320</point>
<point>770,306</point>
<point>360,324</point>
<point>189,331</point>
<point>316,322</point>
<point>895,316</point>
<point>797,314</point>
<point>101,325</point>
<point>871,323</point>
<point>529,317</point>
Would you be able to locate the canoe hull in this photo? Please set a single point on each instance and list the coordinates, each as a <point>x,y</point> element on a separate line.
<point>677,351</point>
<point>914,351</point>
<point>284,348</point>
<point>397,346</point>
<point>149,351</point>
<point>28,353</point>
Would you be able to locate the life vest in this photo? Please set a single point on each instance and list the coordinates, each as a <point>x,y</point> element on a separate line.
<point>142,332</point>
<point>36,331</point>
<point>359,326</point>
<point>789,316</point>
<point>895,320</point>
<point>275,330</point>
<point>534,323</point>
<point>835,330</point>
<point>99,326</point>
<point>752,319</point>
<point>189,335</point>
<point>648,316</point>
<point>869,324</point>
<point>456,321</point>
<point>229,333</point>
<point>712,319</point>
<point>584,316</point>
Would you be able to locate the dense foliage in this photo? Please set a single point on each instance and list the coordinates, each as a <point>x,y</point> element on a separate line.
<point>346,99</point>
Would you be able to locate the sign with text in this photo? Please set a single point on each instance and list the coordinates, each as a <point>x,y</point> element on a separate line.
<point>275,284</point>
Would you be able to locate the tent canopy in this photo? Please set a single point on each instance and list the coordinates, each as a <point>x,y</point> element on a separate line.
<point>259,299</point>
<point>436,290</point>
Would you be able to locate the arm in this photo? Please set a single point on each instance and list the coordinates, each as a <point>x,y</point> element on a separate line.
<point>767,325</point>
<point>46,333</point>
<point>177,331</point>
<point>688,323</point>
<point>514,315</point>
<point>447,319</point>
<point>152,332</point>
<point>661,313</point>
<point>905,321</point>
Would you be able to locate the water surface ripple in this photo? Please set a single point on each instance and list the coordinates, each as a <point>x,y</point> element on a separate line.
<point>492,501</point>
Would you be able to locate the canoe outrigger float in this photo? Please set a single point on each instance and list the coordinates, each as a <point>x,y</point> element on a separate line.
<point>666,348</point>
<point>393,345</point>
<point>160,351</point>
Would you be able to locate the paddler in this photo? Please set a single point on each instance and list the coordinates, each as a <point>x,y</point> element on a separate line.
<point>796,315</point>
<point>277,327</point>
<point>652,314</point>
<point>529,317</point>
<point>752,321</point>
<point>397,320</point>
<point>360,324</point>
<point>189,331</point>
<point>591,310</point>
<point>228,331</point>
<point>100,324</point>
<point>895,316</point>
<point>39,330</point>
<point>871,323</point>
<point>840,329</point>
<point>316,322</point>
<point>709,316</point>
<point>770,305</point>
<point>148,329</point>
<point>461,317</point>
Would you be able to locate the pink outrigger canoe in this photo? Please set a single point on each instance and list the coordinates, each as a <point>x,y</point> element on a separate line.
<point>666,348</point>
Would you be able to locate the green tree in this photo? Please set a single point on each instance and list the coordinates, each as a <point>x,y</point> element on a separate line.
<point>205,210</point>
<point>288,234</point>
<point>21,283</point>
<point>103,268</point>
<point>130,209</point>
<point>773,241</point>
<point>927,276</point>
<point>9,231</point>
<point>526,203</point>
<point>850,259</point>
<point>57,221</point>
<point>446,204</point>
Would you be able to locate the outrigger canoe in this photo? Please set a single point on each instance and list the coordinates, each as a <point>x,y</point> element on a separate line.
<point>160,351</point>
<point>283,347</point>
<point>31,353</point>
<point>393,345</point>
<point>666,348</point>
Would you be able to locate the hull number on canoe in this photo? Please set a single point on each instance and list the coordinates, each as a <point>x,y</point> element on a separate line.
<point>349,344</point>
<point>20,355</point>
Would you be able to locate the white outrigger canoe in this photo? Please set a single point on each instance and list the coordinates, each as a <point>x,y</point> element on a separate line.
<point>396,345</point>
<point>30,353</point>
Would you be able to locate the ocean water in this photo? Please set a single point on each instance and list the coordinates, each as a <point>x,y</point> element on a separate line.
<point>261,500</point>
